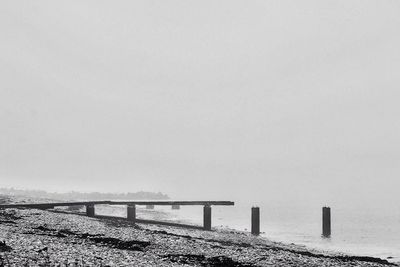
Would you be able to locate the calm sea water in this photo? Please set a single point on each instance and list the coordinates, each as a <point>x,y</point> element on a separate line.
<point>358,231</point>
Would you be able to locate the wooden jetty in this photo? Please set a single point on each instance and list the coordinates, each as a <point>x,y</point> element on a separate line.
<point>131,209</point>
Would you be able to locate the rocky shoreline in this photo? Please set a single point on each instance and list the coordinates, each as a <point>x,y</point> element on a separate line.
<point>46,238</point>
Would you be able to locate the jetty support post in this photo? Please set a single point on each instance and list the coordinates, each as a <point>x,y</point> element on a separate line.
<point>326,222</point>
<point>175,207</point>
<point>255,221</point>
<point>131,212</point>
<point>90,210</point>
<point>207,217</point>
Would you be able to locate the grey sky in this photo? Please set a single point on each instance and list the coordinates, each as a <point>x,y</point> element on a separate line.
<point>202,99</point>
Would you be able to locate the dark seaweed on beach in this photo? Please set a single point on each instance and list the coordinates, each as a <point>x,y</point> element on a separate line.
<point>121,244</point>
<point>193,259</point>
<point>9,215</point>
<point>4,247</point>
<point>344,258</point>
<point>111,242</point>
<point>43,228</point>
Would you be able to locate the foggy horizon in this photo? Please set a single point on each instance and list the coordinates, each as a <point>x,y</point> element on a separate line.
<point>268,101</point>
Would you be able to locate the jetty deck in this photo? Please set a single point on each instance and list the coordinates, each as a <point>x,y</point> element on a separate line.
<point>131,209</point>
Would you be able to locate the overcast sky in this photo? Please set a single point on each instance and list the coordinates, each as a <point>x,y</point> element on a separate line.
<point>262,100</point>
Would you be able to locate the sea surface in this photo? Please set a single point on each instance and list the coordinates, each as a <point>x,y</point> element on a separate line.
<point>357,231</point>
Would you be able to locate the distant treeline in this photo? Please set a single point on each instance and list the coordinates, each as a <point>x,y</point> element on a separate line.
<point>73,195</point>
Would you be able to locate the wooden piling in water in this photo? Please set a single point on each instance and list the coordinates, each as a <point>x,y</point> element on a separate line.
<point>255,221</point>
<point>207,217</point>
<point>131,212</point>
<point>90,210</point>
<point>326,222</point>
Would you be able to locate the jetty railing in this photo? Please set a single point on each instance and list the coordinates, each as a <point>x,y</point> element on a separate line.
<point>131,209</point>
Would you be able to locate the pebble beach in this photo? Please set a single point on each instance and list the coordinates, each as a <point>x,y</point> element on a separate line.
<point>31,237</point>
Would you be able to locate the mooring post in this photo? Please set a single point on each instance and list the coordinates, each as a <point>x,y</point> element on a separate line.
<point>131,212</point>
<point>326,222</point>
<point>255,221</point>
<point>150,207</point>
<point>207,217</point>
<point>90,210</point>
<point>175,207</point>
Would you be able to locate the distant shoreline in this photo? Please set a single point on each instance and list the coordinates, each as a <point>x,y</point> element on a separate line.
<point>75,195</point>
